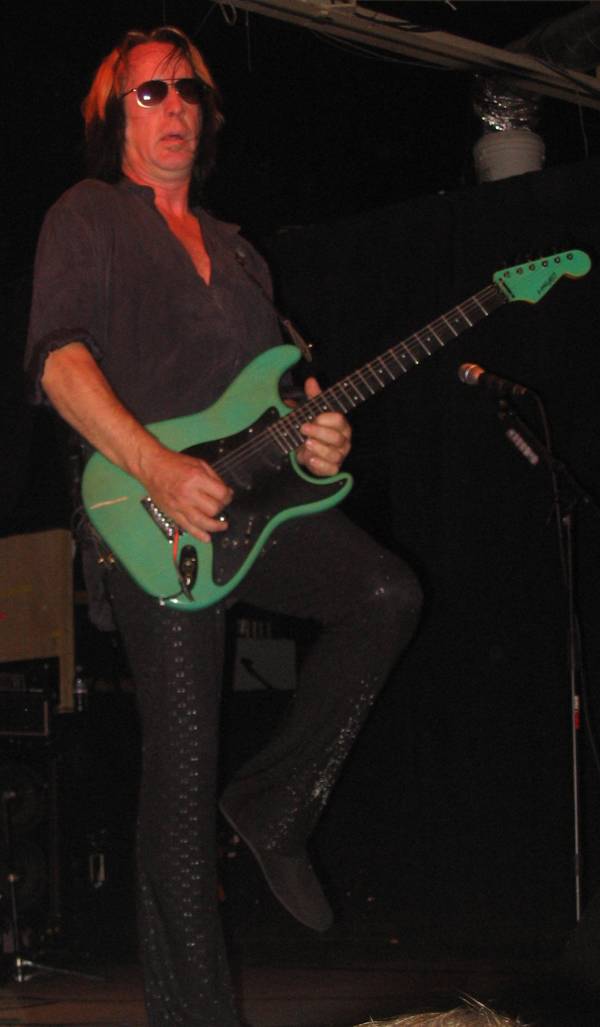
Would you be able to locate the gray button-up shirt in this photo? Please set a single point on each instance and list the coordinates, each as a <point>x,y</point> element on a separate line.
<point>109,273</point>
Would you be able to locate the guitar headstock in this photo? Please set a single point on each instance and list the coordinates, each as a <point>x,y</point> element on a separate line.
<point>531,280</point>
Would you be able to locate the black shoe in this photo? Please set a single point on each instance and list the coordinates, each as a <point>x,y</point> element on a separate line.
<point>292,880</point>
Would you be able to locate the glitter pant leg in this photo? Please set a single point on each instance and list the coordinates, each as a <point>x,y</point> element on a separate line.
<point>176,660</point>
<point>367,603</point>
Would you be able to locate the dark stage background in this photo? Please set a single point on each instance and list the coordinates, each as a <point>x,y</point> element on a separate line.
<point>462,785</point>
<point>452,828</point>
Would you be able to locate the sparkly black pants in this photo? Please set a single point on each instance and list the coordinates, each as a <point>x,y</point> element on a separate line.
<point>367,603</point>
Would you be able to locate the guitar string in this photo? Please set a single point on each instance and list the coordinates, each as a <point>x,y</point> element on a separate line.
<point>413,346</point>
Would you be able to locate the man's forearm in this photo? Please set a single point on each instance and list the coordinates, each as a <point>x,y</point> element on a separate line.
<point>80,393</point>
<point>183,487</point>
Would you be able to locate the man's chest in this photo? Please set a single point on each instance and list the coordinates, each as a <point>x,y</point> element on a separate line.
<point>188,233</point>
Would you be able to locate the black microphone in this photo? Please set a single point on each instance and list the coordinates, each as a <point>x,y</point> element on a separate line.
<point>473,374</point>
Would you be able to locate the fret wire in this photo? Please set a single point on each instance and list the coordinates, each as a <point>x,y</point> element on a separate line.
<point>406,347</point>
<point>382,361</point>
<point>413,350</point>
<point>402,346</point>
<point>340,388</point>
<point>393,354</point>
<point>455,334</point>
<point>295,431</point>
<point>476,307</point>
<point>433,336</point>
<point>355,378</point>
<point>427,340</point>
<point>364,379</point>
<point>441,341</point>
<point>375,373</point>
<point>470,323</point>
<point>351,397</point>
<point>339,405</point>
<point>422,343</point>
<point>279,432</point>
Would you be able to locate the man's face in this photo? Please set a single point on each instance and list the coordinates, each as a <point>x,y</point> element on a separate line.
<point>161,141</point>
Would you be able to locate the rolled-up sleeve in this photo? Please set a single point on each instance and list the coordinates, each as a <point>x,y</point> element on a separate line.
<point>67,287</point>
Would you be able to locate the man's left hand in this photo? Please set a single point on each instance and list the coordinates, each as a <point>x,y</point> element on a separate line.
<point>328,438</point>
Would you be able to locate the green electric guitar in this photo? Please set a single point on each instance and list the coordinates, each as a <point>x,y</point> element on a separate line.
<point>249,436</point>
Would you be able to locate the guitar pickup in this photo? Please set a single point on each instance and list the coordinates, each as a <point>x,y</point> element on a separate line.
<point>168,526</point>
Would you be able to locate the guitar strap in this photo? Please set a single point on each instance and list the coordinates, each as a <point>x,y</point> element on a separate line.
<point>294,334</point>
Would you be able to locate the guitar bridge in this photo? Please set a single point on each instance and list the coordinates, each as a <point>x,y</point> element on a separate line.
<point>168,527</point>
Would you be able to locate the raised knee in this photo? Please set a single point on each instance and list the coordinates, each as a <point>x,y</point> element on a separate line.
<point>398,595</point>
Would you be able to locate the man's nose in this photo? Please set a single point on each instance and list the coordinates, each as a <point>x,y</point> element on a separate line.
<point>173,101</point>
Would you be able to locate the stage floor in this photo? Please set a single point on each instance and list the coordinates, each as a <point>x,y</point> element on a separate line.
<point>317,995</point>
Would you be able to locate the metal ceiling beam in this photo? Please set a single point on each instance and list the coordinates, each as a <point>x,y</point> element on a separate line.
<point>348,19</point>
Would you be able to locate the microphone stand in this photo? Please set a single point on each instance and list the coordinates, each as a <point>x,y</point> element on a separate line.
<point>535,451</point>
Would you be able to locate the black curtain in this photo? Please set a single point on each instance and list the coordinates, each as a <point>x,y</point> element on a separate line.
<point>460,798</point>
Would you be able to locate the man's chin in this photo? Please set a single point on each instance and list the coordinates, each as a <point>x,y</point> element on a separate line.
<point>176,160</point>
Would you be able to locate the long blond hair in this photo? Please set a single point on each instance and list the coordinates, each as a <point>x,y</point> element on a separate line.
<point>472,1014</point>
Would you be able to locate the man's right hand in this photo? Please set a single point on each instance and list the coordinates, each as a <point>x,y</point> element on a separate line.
<point>187,490</point>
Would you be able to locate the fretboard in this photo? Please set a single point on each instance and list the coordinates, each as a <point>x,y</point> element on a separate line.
<point>385,369</point>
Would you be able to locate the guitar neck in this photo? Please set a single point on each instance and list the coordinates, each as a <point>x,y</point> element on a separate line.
<point>384,370</point>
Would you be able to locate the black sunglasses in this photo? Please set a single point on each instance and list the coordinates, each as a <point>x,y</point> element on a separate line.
<point>150,94</point>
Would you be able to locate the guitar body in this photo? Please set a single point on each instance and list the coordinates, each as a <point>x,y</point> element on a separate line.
<point>269,488</point>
